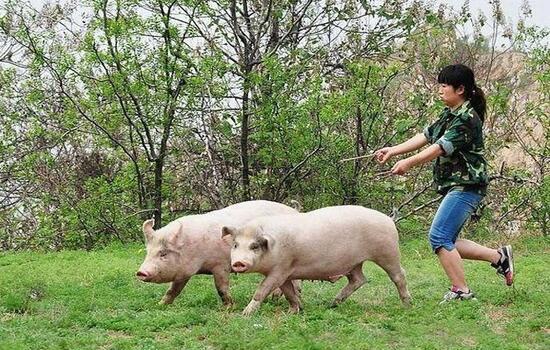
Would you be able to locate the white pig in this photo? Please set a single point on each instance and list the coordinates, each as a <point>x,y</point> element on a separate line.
<point>192,245</point>
<point>323,244</point>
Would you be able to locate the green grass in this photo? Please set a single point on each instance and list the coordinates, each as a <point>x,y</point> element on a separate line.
<point>91,300</point>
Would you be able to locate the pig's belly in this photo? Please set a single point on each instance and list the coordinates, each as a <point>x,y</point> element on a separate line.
<point>322,273</point>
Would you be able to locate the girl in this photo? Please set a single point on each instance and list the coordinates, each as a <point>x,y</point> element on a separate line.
<point>460,174</point>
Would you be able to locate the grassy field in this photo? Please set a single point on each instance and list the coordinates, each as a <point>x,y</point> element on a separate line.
<point>91,300</point>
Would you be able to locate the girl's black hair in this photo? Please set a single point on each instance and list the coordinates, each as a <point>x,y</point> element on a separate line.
<point>459,74</point>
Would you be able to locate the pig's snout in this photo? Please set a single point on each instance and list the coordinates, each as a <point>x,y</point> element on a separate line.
<point>143,275</point>
<point>239,266</point>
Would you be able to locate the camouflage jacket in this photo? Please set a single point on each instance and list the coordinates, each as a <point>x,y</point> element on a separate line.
<point>459,134</point>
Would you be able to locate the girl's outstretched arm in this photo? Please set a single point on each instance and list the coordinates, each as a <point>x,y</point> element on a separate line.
<point>430,153</point>
<point>416,142</point>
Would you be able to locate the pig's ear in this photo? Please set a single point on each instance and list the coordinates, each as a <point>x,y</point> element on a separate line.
<point>228,230</point>
<point>148,228</point>
<point>176,237</point>
<point>266,242</point>
<point>228,233</point>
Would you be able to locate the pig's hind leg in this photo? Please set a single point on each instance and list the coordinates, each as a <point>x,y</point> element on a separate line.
<point>221,281</point>
<point>291,294</point>
<point>397,275</point>
<point>277,293</point>
<point>356,279</point>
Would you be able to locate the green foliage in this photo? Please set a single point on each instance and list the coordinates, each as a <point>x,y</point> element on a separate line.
<point>156,93</point>
<point>540,209</point>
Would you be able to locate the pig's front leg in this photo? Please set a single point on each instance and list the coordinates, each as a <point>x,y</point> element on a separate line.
<point>221,280</point>
<point>174,290</point>
<point>271,282</point>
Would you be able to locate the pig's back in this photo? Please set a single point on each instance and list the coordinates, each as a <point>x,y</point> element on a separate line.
<point>349,222</point>
<point>249,210</point>
<point>332,222</point>
<point>234,215</point>
<point>350,216</point>
<point>333,233</point>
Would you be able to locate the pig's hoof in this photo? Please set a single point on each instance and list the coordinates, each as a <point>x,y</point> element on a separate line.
<point>251,308</point>
<point>248,311</point>
<point>294,309</point>
<point>165,301</point>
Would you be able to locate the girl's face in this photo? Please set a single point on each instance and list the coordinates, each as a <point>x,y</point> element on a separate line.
<point>450,96</point>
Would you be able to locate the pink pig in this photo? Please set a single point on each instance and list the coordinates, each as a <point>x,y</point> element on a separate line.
<point>192,245</point>
<point>324,244</point>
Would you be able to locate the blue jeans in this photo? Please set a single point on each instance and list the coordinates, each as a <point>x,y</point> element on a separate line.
<point>452,214</point>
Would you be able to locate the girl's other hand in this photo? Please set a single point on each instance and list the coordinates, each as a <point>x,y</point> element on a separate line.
<point>383,154</point>
<point>401,167</point>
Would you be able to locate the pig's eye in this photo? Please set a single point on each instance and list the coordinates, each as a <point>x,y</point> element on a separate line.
<point>234,245</point>
<point>254,246</point>
<point>163,254</point>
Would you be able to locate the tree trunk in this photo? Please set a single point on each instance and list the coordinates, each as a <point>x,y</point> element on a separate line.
<point>157,191</point>
<point>359,150</point>
<point>244,139</point>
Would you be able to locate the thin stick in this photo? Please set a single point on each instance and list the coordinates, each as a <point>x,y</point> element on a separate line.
<point>418,208</point>
<point>386,173</point>
<point>360,157</point>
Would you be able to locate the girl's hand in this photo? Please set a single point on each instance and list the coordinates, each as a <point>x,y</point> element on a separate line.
<point>383,154</point>
<point>401,167</point>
